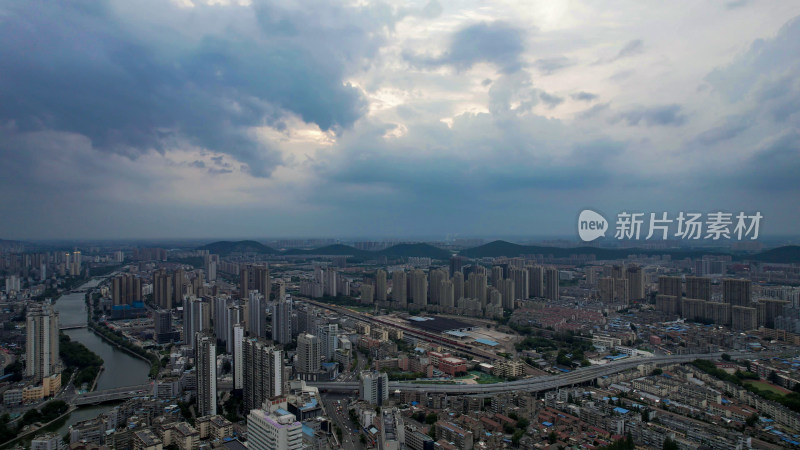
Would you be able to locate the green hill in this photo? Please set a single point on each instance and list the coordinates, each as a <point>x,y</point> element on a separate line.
<point>225,248</point>
<point>503,248</point>
<point>785,255</point>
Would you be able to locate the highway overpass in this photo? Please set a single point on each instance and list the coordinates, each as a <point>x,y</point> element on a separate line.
<point>535,384</point>
<point>108,395</point>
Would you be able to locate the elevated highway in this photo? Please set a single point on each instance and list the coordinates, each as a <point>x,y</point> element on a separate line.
<point>108,395</point>
<point>535,384</point>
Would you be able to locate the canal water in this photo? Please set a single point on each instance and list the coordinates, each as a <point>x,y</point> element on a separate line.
<point>120,368</point>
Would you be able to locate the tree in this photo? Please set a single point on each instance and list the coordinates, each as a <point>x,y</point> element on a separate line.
<point>726,357</point>
<point>656,372</point>
<point>773,377</point>
<point>508,428</point>
<point>523,423</point>
<point>752,420</point>
<point>669,444</point>
<point>517,436</point>
<point>362,438</point>
<point>226,367</point>
<point>431,418</point>
<point>552,438</point>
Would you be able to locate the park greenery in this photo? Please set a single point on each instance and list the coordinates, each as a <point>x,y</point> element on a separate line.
<point>568,348</point>
<point>78,360</point>
<point>790,400</point>
<point>47,413</point>
<point>117,338</point>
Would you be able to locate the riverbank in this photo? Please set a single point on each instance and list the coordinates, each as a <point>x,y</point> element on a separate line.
<point>117,340</point>
<point>45,428</point>
<point>101,331</point>
<point>119,369</point>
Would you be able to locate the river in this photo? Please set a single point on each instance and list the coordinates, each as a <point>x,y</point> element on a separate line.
<point>120,368</point>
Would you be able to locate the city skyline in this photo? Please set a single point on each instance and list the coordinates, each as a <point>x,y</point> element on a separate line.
<point>166,119</point>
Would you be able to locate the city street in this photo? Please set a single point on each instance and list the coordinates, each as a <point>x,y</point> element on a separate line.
<point>341,418</point>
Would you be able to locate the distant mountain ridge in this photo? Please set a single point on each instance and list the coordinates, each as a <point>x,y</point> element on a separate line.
<point>783,255</point>
<point>225,248</point>
<point>786,255</point>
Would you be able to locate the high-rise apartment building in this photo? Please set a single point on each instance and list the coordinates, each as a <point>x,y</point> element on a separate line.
<point>366,294</point>
<point>418,287</point>
<point>234,315</point>
<point>162,326</point>
<point>447,294</point>
<point>126,289</point>
<point>458,286</point>
<point>497,276</point>
<point>328,335</point>
<point>457,264</point>
<point>635,277</point>
<point>256,315</point>
<point>263,372</point>
<point>308,355</point>
<point>670,286</point>
<point>699,288</point>
<point>507,289</point>
<point>399,291</point>
<point>275,429</point>
<point>41,344</point>
<point>244,282</point>
<point>521,282</point>
<point>162,289</point>
<point>206,367</point>
<point>219,309</point>
<point>536,281</point>
<point>178,286</point>
<point>282,321</point>
<point>262,281</point>
<point>196,318</point>
<point>380,285</point>
<point>736,292</point>
<point>238,356</point>
<point>436,278</point>
<point>551,283</point>
<point>374,387</point>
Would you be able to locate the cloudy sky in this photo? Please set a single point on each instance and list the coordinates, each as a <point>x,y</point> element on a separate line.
<point>187,118</point>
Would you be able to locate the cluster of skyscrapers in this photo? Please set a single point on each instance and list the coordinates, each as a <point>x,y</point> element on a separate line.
<point>465,289</point>
<point>735,308</point>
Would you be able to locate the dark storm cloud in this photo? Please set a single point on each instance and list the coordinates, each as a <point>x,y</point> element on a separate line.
<point>631,48</point>
<point>733,127</point>
<point>765,70</point>
<point>498,43</point>
<point>774,167</point>
<point>734,4</point>
<point>551,100</point>
<point>663,115</point>
<point>594,110</point>
<point>583,96</point>
<point>761,86</point>
<point>81,68</point>
<point>549,66</point>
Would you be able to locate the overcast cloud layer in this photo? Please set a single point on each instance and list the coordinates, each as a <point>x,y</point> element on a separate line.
<point>152,119</point>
